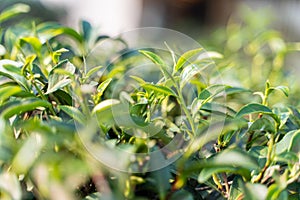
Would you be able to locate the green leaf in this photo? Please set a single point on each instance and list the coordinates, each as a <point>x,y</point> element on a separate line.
<point>59,80</point>
<point>162,177</point>
<point>11,69</point>
<point>92,71</point>
<point>28,104</point>
<point>69,32</point>
<point>217,108</point>
<point>235,90</point>
<point>181,195</point>
<point>191,70</point>
<point>276,192</point>
<point>235,189</point>
<point>104,105</point>
<point>86,30</point>
<point>283,89</point>
<point>290,142</point>
<point>8,91</point>
<point>158,89</point>
<point>153,57</point>
<point>228,160</point>
<point>256,108</point>
<point>28,63</point>
<point>204,94</point>
<point>49,30</point>
<point>138,79</point>
<point>262,124</point>
<point>13,10</point>
<point>212,91</point>
<point>158,61</point>
<point>64,98</point>
<point>101,88</point>
<point>253,108</point>
<point>295,142</point>
<point>103,111</point>
<point>185,57</point>
<point>74,113</point>
<point>33,41</point>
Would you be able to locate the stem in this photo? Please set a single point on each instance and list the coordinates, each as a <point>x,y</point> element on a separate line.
<point>186,112</point>
<point>217,182</point>
<point>224,176</point>
<point>269,160</point>
<point>43,96</point>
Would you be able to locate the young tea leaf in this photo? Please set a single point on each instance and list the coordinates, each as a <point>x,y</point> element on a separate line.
<point>60,80</point>
<point>185,57</point>
<point>153,57</point>
<point>33,41</point>
<point>158,89</point>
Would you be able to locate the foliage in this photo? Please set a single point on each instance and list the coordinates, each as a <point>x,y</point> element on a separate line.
<point>236,146</point>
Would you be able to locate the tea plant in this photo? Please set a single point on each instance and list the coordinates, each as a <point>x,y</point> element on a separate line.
<point>57,106</point>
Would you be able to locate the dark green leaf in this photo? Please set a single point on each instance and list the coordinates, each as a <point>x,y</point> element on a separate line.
<point>181,195</point>
<point>162,178</point>
<point>256,108</point>
<point>63,97</point>
<point>86,30</point>
<point>235,189</point>
<point>262,124</point>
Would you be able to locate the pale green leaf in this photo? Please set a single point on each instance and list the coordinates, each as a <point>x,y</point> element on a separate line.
<point>61,79</point>
<point>158,89</point>
<point>185,58</point>
<point>13,10</point>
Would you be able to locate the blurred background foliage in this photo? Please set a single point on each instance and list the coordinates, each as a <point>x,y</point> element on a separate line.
<point>42,157</point>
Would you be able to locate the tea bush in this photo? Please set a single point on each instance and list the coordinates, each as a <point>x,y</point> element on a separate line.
<point>61,113</point>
